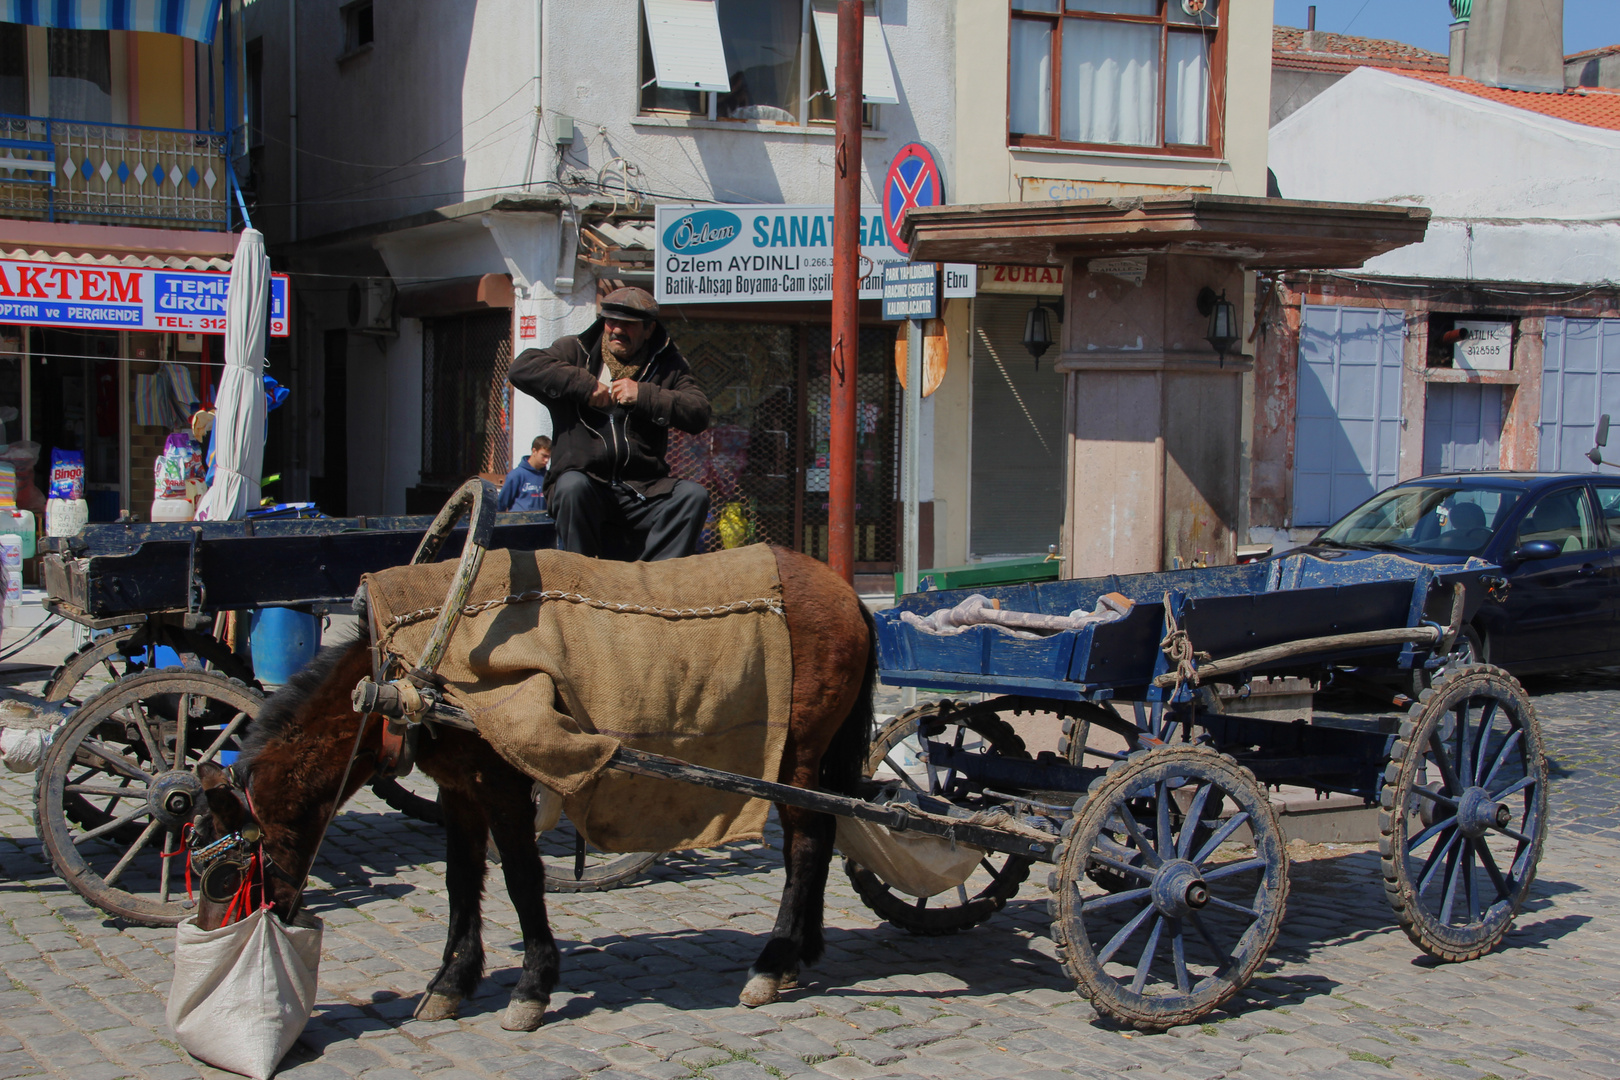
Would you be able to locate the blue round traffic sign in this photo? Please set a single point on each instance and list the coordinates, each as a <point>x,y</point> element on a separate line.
<point>913,180</point>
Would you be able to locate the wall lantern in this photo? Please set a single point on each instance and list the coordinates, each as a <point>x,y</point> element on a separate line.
<point>1223,329</point>
<point>1038,332</point>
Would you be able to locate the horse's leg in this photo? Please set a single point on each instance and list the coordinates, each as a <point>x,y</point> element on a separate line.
<point>807,847</point>
<point>466,834</point>
<point>511,816</point>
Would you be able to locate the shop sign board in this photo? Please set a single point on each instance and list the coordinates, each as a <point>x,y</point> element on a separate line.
<point>1488,346</point>
<point>735,253</point>
<point>1047,280</point>
<point>911,291</point>
<point>95,297</point>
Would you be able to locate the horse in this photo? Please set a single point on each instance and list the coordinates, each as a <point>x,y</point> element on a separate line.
<point>294,769</point>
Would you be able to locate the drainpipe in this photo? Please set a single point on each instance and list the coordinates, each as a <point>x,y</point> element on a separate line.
<point>539,59</point>
<point>292,119</point>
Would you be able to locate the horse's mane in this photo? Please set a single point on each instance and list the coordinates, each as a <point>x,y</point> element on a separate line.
<point>283,706</point>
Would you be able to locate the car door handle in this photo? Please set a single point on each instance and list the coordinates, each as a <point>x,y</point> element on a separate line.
<point>1587,570</point>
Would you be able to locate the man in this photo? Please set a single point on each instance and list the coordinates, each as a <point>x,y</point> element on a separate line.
<point>524,488</point>
<point>614,392</point>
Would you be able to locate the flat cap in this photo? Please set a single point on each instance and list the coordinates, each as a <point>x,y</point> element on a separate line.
<point>630,304</point>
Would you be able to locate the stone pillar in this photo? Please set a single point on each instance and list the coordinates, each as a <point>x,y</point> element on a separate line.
<point>1153,416</point>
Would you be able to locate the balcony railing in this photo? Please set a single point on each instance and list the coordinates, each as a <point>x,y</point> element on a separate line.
<point>111,174</point>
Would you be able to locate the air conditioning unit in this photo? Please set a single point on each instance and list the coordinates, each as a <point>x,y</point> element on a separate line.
<point>371,306</point>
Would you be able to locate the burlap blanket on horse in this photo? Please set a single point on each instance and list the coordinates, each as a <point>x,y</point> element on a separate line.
<point>560,659</point>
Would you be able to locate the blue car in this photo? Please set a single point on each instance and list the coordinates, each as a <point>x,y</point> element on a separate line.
<point>1556,537</point>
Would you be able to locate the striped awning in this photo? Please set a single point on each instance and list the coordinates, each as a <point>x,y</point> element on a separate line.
<point>194,19</point>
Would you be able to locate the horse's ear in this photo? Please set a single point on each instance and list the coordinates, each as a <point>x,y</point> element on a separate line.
<point>226,807</point>
<point>212,775</point>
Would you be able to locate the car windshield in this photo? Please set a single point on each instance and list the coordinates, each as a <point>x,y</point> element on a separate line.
<point>1436,520</point>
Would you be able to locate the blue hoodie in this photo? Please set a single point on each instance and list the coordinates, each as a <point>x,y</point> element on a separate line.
<point>522,490</point>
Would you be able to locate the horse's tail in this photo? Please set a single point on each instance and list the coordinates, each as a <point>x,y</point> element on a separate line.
<point>843,766</point>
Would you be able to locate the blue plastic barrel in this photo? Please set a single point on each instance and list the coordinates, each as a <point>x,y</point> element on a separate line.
<point>284,640</point>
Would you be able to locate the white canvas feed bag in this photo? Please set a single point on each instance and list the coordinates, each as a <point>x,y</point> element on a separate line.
<point>242,994</point>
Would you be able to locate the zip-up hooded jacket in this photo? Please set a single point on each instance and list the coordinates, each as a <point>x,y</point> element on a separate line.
<point>617,444</point>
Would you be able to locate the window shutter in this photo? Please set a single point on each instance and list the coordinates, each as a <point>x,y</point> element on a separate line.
<point>686,46</point>
<point>877,73</point>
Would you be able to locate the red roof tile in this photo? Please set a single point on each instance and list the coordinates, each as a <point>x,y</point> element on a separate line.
<point>1342,52</point>
<point>1590,105</point>
<point>1587,54</point>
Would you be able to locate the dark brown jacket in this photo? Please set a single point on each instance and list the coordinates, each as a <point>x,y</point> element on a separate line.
<point>616,444</point>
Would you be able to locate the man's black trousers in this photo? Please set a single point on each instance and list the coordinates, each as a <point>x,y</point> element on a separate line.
<point>618,523</point>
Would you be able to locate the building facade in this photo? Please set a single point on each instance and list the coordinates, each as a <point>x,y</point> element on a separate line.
<point>117,211</point>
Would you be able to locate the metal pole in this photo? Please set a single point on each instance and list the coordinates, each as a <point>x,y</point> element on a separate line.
<point>846,323</point>
<point>292,119</point>
<point>911,458</point>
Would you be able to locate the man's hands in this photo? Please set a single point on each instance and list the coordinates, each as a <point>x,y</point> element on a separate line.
<point>622,392</point>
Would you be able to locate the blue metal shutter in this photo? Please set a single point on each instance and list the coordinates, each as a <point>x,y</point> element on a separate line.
<point>1462,427</point>
<point>1580,380</point>
<point>1347,432</point>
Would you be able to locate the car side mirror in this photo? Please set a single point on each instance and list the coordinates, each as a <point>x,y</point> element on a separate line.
<point>1536,549</point>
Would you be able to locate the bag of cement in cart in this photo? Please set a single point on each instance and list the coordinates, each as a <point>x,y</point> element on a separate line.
<point>914,863</point>
<point>242,994</point>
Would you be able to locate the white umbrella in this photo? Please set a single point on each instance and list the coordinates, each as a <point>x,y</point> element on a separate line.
<point>239,404</point>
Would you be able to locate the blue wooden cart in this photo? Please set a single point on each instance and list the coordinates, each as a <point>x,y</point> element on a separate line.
<point>1169,868</point>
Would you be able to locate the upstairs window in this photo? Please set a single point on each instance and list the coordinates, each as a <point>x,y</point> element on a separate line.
<point>13,68</point>
<point>80,75</point>
<point>1146,74</point>
<point>769,60</point>
<point>359,30</point>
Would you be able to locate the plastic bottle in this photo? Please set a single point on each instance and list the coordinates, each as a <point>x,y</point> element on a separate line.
<point>11,556</point>
<point>172,509</point>
<point>66,517</point>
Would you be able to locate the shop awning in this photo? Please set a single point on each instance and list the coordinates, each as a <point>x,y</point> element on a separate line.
<point>144,262</point>
<point>877,73</point>
<point>194,19</point>
<point>1260,234</point>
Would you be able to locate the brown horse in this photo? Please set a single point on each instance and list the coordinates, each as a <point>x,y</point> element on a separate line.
<point>288,777</point>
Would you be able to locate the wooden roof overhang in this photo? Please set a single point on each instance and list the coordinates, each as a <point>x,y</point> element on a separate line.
<point>1260,234</point>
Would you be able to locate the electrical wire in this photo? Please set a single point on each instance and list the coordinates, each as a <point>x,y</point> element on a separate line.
<point>32,636</point>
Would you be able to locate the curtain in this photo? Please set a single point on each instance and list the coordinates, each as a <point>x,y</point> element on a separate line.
<point>1031,83</point>
<point>1186,86</point>
<point>1110,82</point>
<point>81,75</point>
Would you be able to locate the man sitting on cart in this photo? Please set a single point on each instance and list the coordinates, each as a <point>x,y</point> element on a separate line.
<point>614,392</point>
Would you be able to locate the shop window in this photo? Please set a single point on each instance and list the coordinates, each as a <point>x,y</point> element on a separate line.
<point>770,60</point>
<point>80,75</point>
<point>465,398</point>
<point>1447,331</point>
<point>1138,73</point>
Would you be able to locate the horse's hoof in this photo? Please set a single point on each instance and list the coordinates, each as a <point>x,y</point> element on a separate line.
<point>523,1015</point>
<point>438,1006</point>
<point>760,990</point>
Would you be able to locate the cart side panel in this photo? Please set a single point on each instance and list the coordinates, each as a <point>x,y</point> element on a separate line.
<point>1062,597</point>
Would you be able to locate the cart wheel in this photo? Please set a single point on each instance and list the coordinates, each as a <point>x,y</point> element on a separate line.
<point>998,876</point>
<point>1096,736</point>
<point>1208,895</point>
<point>125,754</point>
<point>103,661</point>
<point>602,870</point>
<point>1464,812</point>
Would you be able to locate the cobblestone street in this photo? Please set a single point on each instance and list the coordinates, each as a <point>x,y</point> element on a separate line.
<point>651,972</point>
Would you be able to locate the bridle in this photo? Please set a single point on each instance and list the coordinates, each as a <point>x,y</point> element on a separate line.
<point>226,866</point>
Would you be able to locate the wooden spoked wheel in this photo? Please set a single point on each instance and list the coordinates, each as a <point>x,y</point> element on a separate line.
<point>131,753</point>
<point>1463,813</point>
<point>1207,894</point>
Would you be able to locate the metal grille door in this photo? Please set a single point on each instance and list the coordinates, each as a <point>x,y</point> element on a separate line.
<point>1347,432</point>
<point>465,397</point>
<point>1580,380</point>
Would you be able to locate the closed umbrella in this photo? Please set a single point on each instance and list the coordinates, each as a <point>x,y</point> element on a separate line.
<point>239,403</point>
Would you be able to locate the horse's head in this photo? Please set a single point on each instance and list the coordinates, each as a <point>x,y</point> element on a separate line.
<point>237,868</point>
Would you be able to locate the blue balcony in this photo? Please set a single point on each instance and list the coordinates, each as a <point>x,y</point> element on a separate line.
<point>112,174</point>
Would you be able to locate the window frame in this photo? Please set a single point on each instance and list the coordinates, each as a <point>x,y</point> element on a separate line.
<point>1214,149</point>
<point>350,12</point>
<point>709,101</point>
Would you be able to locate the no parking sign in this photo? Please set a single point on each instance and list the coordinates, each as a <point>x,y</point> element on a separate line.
<point>914,180</point>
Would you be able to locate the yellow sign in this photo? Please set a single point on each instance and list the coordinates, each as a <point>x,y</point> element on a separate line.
<point>1044,188</point>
